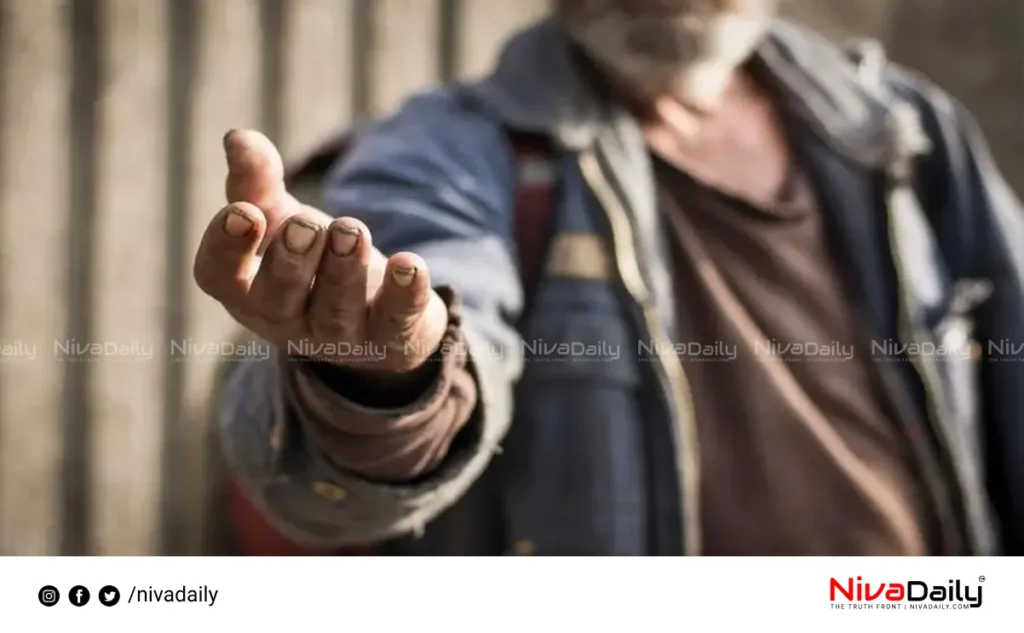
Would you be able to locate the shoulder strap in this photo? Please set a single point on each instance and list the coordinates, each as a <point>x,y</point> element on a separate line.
<point>534,205</point>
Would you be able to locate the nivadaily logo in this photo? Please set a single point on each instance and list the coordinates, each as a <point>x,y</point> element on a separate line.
<point>911,594</point>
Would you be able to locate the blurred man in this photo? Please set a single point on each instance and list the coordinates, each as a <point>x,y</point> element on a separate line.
<point>778,312</point>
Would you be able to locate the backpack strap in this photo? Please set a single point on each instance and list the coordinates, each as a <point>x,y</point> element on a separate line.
<point>534,207</point>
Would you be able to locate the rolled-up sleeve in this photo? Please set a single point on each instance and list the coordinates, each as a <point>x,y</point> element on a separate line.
<point>408,431</point>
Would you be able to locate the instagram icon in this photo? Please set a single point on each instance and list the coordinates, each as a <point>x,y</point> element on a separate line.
<point>49,596</point>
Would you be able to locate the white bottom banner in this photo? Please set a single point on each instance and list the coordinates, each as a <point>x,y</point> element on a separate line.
<point>507,594</point>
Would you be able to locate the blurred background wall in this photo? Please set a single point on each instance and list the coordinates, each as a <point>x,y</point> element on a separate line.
<point>111,115</point>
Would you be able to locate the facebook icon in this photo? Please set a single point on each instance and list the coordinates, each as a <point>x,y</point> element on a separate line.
<point>79,596</point>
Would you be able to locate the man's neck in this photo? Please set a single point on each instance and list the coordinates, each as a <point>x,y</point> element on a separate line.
<point>690,121</point>
<point>739,146</point>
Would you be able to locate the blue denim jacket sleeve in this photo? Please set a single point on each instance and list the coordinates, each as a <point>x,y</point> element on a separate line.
<point>980,228</point>
<point>438,180</point>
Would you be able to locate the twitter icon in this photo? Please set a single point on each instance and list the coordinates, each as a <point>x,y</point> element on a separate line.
<point>109,596</point>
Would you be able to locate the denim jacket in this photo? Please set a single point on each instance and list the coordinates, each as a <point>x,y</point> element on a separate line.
<point>601,458</point>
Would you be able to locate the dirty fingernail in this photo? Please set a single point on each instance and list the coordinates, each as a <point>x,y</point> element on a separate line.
<point>404,276</point>
<point>344,239</point>
<point>299,236</point>
<point>237,224</point>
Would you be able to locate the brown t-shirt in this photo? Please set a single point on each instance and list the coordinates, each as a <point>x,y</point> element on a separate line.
<point>802,451</point>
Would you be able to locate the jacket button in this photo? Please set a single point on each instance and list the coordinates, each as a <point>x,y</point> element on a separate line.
<point>524,547</point>
<point>328,490</point>
<point>974,350</point>
<point>276,437</point>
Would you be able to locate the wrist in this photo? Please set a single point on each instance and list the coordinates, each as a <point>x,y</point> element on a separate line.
<point>375,386</point>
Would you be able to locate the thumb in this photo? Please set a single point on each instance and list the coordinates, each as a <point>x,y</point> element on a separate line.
<point>256,176</point>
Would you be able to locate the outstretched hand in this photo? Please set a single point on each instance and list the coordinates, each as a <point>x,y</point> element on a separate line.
<point>311,284</point>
